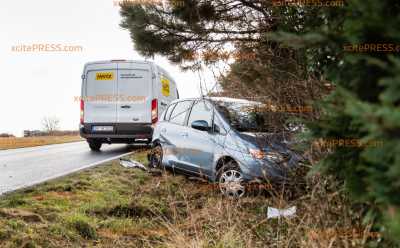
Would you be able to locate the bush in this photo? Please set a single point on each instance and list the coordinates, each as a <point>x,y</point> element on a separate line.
<point>85,229</point>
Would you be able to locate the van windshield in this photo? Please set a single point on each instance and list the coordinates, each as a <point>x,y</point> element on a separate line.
<point>243,116</point>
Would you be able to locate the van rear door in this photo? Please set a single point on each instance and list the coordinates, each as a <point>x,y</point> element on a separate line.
<point>134,93</point>
<point>100,94</point>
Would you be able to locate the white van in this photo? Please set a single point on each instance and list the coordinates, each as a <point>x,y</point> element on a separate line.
<point>121,100</point>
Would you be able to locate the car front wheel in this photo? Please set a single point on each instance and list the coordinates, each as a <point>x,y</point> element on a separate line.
<point>230,180</point>
<point>155,158</point>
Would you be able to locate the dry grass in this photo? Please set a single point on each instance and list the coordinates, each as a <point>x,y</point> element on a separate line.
<point>11,143</point>
<point>111,206</point>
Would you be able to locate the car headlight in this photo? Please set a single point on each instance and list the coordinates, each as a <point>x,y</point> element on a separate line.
<point>271,155</point>
<point>258,154</point>
<point>274,156</point>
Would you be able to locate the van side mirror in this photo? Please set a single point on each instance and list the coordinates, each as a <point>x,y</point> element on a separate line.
<point>201,125</point>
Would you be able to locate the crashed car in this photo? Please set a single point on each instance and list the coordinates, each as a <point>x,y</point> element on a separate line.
<point>221,139</point>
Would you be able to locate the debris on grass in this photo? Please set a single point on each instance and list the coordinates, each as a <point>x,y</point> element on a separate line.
<point>132,164</point>
<point>277,213</point>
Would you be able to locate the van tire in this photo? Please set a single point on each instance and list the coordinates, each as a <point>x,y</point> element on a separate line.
<point>94,145</point>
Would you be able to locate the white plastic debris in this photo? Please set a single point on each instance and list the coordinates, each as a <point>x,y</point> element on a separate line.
<point>277,213</point>
<point>132,164</point>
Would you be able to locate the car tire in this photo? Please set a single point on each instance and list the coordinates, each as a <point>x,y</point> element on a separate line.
<point>94,145</point>
<point>155,157</point>
<point>230,180</point>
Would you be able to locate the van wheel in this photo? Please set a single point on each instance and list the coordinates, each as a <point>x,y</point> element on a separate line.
<point>94,145</point>
<point>155,158</point>
<point>230,180</point>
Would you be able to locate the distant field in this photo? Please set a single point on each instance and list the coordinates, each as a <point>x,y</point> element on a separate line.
<point>10,143</point>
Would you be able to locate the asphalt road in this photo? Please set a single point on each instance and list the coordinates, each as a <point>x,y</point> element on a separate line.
<point>25,167</point>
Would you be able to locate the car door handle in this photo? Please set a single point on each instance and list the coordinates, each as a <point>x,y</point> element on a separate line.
<point>125,106</point>
<point>184,134</point>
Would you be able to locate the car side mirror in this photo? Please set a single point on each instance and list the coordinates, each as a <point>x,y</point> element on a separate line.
<point>201,125</point>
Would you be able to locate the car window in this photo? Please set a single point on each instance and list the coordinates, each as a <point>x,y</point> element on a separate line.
<point>180,111</point>
<point>168,113</point>
<point>201,111</point>
<point>218,126</point>
<point>244,116</point>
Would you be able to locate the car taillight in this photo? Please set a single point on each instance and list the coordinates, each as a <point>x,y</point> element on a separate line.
<point>154,111</point>
<point>82,110</point>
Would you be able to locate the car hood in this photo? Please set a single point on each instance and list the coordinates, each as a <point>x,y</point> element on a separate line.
<point>267,141</point>
<point>274,142</point>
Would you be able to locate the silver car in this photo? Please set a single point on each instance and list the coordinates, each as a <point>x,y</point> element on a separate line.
<point>222,139</point>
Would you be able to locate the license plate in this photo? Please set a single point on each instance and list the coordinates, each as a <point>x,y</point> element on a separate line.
<point>102,128</point>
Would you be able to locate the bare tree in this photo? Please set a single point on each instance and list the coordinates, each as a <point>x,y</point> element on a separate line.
<point>50,124</point>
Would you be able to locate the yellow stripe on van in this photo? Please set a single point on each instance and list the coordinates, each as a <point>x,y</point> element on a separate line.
<point>165,86</point>
<point>104,75</point>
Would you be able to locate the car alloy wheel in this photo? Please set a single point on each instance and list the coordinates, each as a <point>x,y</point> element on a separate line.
<point>231,182</point>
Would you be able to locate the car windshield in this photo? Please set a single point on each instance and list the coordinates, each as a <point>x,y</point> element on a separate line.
<point>244,116</point>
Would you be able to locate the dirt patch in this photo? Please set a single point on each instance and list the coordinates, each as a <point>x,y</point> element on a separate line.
<point>132,210</point>
<point>129,211</point>
<point>38,197</point>
<point>21,214</point>
<point>61,194</point>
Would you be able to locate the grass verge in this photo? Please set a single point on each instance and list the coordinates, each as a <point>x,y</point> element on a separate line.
<point>112,206</point>
<point>12,143</point>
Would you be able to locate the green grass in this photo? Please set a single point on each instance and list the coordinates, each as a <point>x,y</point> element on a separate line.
<point>112,206</point>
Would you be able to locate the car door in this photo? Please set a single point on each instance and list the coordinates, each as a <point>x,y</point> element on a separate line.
<point>161,133</point>
<point>199,145</point>
<point>173,132</point>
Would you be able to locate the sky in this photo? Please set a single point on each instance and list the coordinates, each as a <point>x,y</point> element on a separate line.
<point>38,84</point>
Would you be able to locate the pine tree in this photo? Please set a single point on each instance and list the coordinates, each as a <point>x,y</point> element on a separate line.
<point>365,106</point>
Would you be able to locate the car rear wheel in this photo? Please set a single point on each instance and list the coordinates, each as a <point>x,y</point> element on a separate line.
<point>230,180</point>
<point>155,158</point>
<point>94,145</point>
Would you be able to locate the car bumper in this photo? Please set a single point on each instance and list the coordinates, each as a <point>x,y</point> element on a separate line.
<point>264,170</point>
<point>120,130</point>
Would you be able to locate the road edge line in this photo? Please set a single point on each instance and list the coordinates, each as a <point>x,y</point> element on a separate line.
<point>24,186</point>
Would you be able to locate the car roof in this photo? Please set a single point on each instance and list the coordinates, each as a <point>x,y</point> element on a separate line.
<point>232,100</point>
<point>218,99</point>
